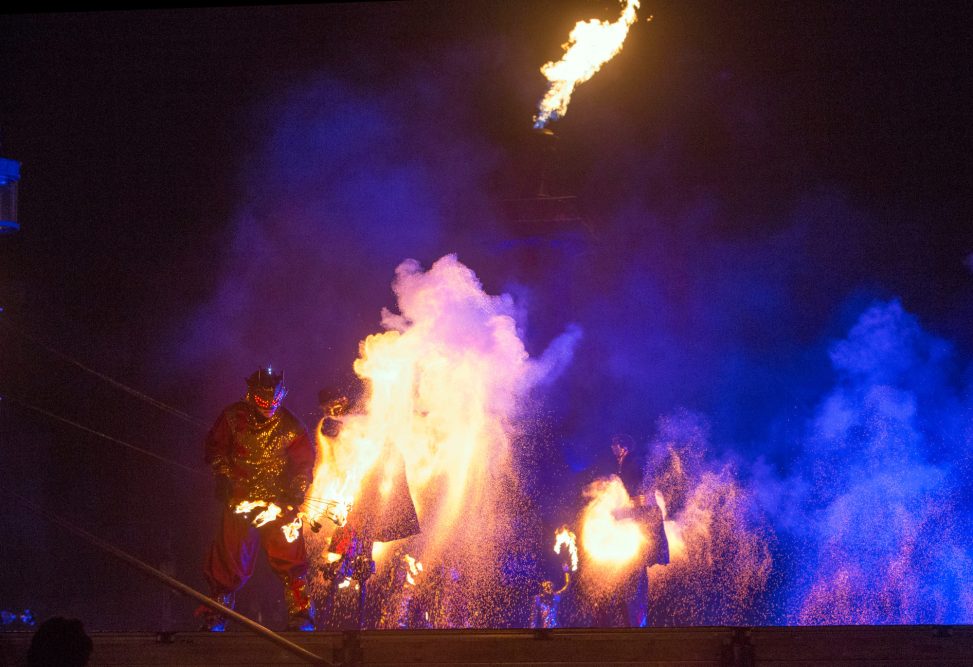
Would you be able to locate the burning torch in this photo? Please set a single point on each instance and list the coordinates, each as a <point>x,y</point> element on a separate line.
<point>590,45</point>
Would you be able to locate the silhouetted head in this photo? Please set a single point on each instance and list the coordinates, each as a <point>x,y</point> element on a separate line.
<point>59,642</point>
<point>622,445</point>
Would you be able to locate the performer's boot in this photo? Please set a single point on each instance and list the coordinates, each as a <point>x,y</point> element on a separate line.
<point>300,613</point>
<point>211,620</point>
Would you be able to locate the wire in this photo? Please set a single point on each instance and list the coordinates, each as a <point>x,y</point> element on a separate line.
<point>185,416</point>
<point>168,580</point>
<point>75,424</point>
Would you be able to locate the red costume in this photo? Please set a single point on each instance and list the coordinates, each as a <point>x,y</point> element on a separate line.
<point>259,451</point>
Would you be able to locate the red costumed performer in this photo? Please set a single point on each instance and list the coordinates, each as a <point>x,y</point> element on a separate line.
<point>259,453</point>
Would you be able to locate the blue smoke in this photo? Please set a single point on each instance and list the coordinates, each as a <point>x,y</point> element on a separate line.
<point>343,184</point>
<point>875,516</point>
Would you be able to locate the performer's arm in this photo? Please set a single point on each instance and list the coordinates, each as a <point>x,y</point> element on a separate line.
<point>300,456</point>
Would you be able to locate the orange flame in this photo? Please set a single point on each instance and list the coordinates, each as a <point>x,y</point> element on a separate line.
<point>590,45</point>
<point>271,513</point>
<point>607,537</point>
<point>565,538</point>
<point>293,530</point>
<point>247,506</point>
<point>415,568</point>
<point>444,383</point>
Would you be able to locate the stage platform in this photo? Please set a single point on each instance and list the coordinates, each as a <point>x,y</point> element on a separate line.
<point>742,647</point>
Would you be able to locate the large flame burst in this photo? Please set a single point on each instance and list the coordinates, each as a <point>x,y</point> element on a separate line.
<point>609,538</point>
<point>445,385</point>
<point>590,45</point>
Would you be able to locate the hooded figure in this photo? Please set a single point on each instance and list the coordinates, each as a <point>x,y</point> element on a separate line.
<point>631,463</point>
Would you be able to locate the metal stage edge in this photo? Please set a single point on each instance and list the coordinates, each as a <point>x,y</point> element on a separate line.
<point>825,645</point>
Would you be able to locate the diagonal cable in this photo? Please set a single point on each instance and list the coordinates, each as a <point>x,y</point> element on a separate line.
<point>185,416</point>
<point>168,580</point>
<point>92,431</point>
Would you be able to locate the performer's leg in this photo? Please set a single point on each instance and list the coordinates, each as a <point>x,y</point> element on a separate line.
<point>637,605</point>
<point>289,562</point>
<point>229,565</point>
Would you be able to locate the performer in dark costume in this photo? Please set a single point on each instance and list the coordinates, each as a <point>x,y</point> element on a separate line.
<point>260,453</point>
<point>383,511</point>
<point>631,461</point>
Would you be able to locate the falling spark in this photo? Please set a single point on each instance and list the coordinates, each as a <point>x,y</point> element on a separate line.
<point>564,537</point>
<point>590,45</point>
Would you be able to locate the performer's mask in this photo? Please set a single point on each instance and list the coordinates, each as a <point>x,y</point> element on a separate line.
<point>266,391</point>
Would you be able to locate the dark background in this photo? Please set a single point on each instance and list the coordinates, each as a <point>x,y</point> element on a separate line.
<point>207,190</point>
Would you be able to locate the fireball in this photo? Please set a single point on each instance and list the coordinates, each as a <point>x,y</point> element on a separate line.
<point>608,537</point>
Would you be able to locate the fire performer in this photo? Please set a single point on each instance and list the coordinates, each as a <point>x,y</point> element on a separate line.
<point>631,462</point>
<point>261,457</point>
<point>544,609</point>
<point>383,511</point>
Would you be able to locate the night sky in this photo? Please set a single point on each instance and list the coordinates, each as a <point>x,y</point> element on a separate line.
<point>208,190</point>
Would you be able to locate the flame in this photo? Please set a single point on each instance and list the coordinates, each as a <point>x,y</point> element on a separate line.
<point>675,539</point>
<point>606,538</point>
<point>590,45</point>
<point>293,530</point>
<point>271,513</point>
<point>247,506</point>
<point>379,550</point>
<point>444,386</point>
<point>444,383</point>
<point>415,567</point>
<point>564,537</point>
<point>339,512</point>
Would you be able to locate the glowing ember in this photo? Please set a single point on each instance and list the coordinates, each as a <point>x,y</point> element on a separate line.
<point>607,538</point>
<point>590,45</point>
<point>565,538</point>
